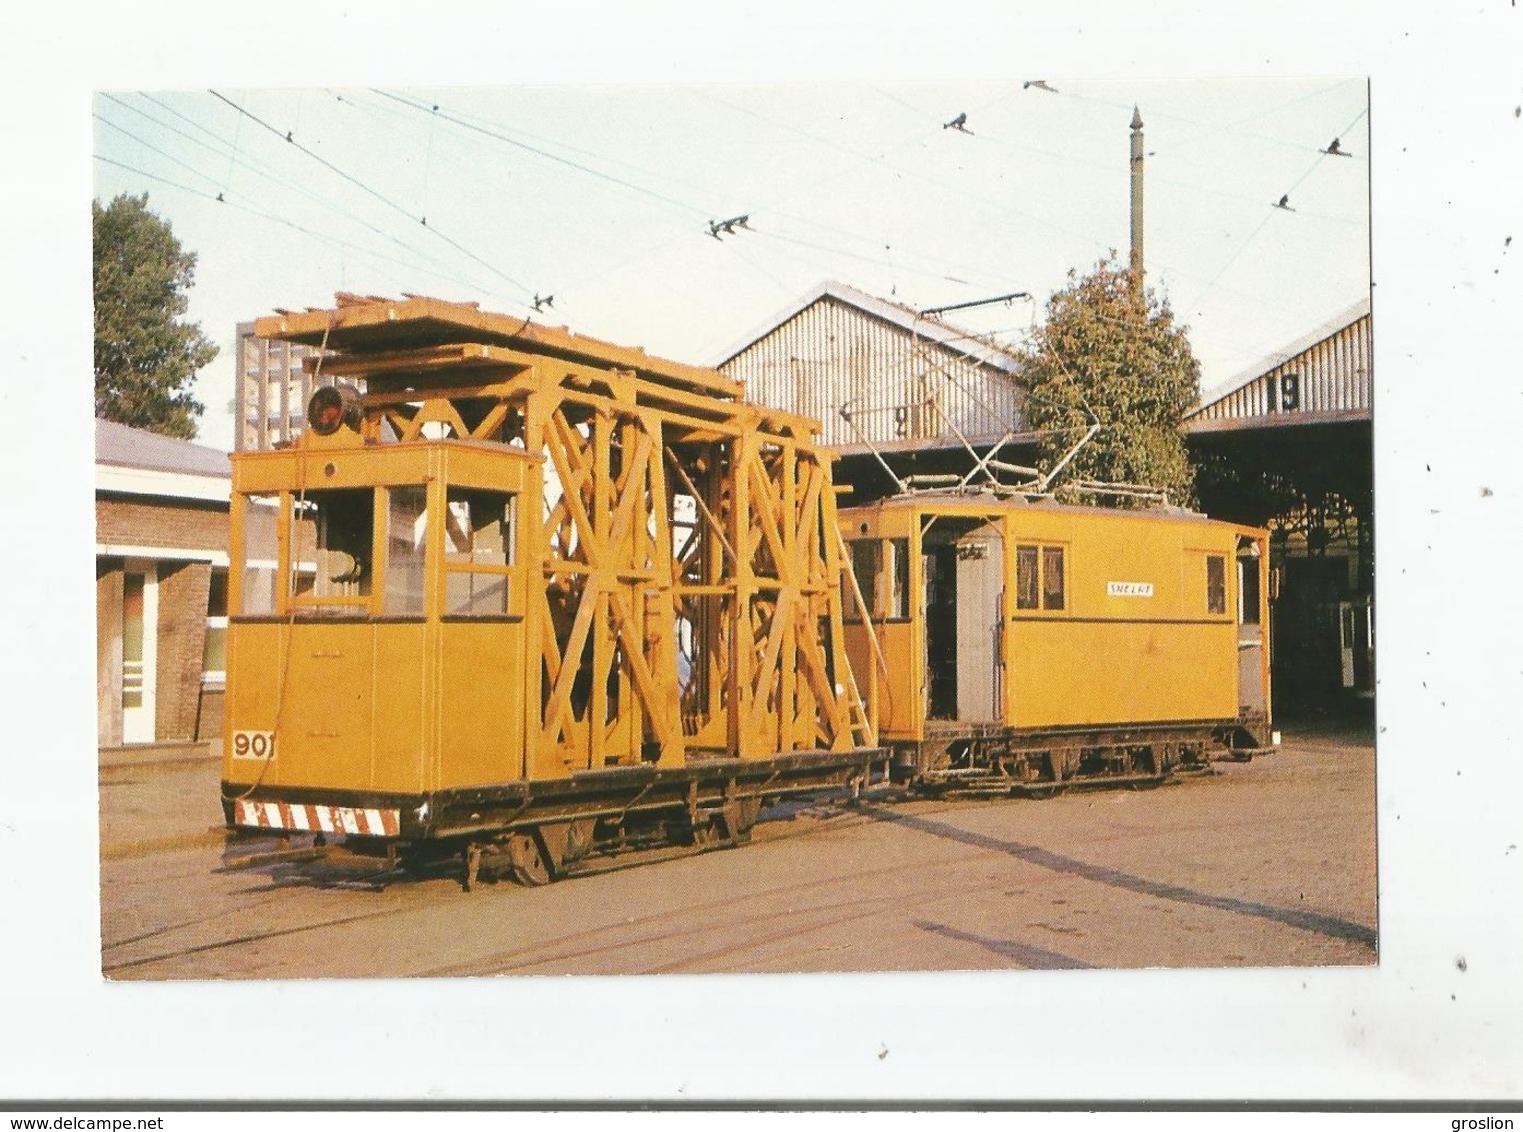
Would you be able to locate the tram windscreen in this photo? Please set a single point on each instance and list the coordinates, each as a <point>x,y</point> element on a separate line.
<point>332,549</point>
<point>261,555</point>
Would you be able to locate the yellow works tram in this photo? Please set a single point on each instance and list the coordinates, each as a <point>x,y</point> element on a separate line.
<point>1014,644</point>
<point>524,598</point>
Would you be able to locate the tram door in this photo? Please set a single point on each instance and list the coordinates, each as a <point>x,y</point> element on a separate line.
<point>980,579</point>
<point>1250,630</point>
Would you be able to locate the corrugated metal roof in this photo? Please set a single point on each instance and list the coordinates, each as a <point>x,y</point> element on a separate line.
<point>126,447</point>
<point>1245,377</point>
<point>875,373</point>
<point>930,329</point>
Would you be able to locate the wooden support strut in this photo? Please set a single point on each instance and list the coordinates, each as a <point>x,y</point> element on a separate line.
<point>612,434</point>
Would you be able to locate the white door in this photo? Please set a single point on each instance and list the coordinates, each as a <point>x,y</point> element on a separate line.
<point>140,631</point>
<point>1250,636</point>
<point>980,563</point>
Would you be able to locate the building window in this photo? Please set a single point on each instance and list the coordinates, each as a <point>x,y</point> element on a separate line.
<point>214,656</point>
<point>478,552</point>
<point>1216,584</point>
<point>133,640</point>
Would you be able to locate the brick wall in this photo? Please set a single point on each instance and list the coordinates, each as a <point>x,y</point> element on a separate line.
<point>209,725</point>
<point>138,521</point>
<point>183,590</point>
<point>108,651</point>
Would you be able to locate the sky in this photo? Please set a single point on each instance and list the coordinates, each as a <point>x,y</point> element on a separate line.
<point>600,197</point>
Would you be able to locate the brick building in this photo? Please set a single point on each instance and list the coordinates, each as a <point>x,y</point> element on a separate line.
<point>161,540</point>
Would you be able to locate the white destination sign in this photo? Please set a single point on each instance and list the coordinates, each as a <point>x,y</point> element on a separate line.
<point>1129,589</point>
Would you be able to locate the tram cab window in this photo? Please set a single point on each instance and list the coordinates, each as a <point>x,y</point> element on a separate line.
<point>865,561</point>
<point>1216,583</point>
<point>898,588</point>
<point>1040,581</point>
<point>479,530</point>
<point>1027,589</point>
<point>261,555</point>
<point>406,548</point>
<point>1052,577</point>
<point>331,550</point>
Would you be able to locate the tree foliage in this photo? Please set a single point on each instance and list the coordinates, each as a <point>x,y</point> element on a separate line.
<point>1111,353</point>
<point>146,358</point>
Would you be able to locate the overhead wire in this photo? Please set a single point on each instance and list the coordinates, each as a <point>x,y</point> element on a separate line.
<point>321,200</point>
<point>152,148</point>
<point>509,140</point>
<point>897,264</point>
<point>275,219</point>
<point>1269,216</point>
<point>491,129</point>
<point>1268,139</point>
<point>1002,207</point>
<point>500,135</point>
<point>435,112</point>
<point>288,136</point>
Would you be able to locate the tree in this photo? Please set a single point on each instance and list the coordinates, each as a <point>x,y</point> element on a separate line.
<point>1111,354</point>
<point>146,358</point>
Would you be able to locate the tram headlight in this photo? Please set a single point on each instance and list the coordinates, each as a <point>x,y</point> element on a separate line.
<point>332,407</point>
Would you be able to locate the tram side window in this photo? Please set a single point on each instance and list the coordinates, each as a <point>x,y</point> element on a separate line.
<point>332,536</point>
<point>1039,578</point>
<point>1027,588</point>
<point>1216,583</point>
<point>865,558</point>
<point>261,555</point>
<point>478,551</point>
<point>406,547</point>
<point>898,578</point>
<point>1052,577</point>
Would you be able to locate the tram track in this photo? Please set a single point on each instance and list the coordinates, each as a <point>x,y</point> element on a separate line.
<point>252,937</point>
<point>779,920</point>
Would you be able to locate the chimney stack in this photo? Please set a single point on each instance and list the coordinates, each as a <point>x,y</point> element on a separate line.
<point>1137,194</point>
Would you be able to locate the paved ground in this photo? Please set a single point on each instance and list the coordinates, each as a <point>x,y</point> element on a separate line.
<point>1270,863</point>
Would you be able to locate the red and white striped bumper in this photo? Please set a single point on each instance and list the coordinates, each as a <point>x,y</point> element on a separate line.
<point>318,819</point>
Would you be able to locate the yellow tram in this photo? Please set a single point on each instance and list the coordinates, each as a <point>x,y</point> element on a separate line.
<point>1016,644</point>
<point>521,598</point>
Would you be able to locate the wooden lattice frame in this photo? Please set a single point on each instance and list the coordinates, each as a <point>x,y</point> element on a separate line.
<point>750,585</point>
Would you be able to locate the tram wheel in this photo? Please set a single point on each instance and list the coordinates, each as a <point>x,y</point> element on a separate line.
<point>529,864</point>
<point>706,833</point>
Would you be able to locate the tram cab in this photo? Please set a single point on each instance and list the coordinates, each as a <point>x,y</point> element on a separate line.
<point>373,585</point>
